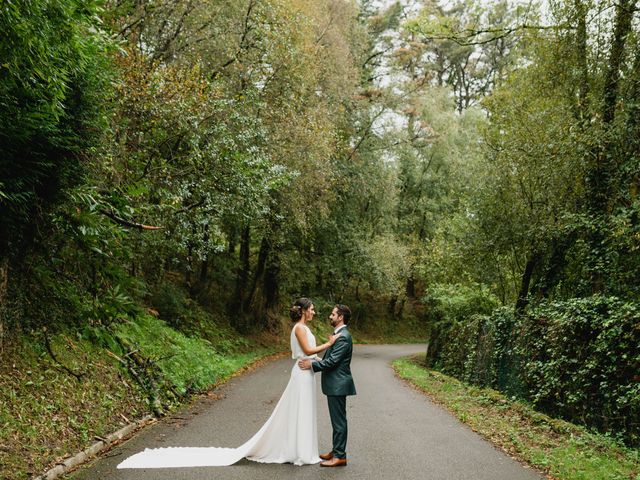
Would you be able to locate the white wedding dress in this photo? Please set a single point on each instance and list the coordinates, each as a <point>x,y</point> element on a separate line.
<point>288,436</point>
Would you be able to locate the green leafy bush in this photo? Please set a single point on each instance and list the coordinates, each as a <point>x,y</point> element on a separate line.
<point>578,358</point>
<point>581,359</point>
<point>187,364</point>
<point>186,315</point>
<point>53,72</point>
<point>459,301</point>
<point>166,363</point>
<point>457,313</point>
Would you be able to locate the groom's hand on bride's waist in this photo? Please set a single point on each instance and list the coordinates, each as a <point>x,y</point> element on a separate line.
<point>305,364</point>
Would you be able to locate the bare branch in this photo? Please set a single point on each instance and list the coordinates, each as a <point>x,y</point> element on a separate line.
<point>241,46</point>
<point>55,359</point>
<point>464,37</point>
<point>128,223</point>
<point>376,54</point>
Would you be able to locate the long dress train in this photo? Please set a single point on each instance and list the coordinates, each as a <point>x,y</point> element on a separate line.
<point>288,436</point>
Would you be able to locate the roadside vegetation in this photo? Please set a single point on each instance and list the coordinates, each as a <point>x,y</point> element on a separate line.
<point>174,174</point>
<point>60,394</point>
<point>562,450</point>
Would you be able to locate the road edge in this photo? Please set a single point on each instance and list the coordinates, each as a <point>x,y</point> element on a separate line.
<point>126,432</point>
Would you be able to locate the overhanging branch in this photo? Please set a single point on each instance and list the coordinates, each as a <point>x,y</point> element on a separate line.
<point>128,223</point>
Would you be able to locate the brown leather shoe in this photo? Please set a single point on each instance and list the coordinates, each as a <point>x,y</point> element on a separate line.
<point>334,462</point>
<point>326,456</point>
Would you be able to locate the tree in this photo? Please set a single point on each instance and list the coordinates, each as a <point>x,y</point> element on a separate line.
<point>53,71</point>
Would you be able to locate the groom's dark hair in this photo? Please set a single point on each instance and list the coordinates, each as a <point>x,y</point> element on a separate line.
<point>345,312</point>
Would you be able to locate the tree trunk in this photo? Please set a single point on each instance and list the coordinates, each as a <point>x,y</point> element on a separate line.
<point>633,120</point>
<point>187,276</point>
<point>319,279</point>
<point>271,280</point>
<point>271,316</point>
<point>526,282</point>
<point>231,244</point>
<point>391,308</point>
<point>204,272</point>
<point>601,177</point>
<point>204,264</point>
<point>199,283</point>
<point>581,47</point>
<point>262,260</point>
<point>242,274</point>
<point>633,126</point>
<point>622,29</point>
<point>4,284</point>
<point>554,266</point>
<point>411,286</point>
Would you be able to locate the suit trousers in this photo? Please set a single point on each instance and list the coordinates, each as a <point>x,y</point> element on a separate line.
<point>338,414</point>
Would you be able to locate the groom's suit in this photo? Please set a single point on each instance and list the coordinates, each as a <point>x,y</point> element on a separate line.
<point>337,383</point>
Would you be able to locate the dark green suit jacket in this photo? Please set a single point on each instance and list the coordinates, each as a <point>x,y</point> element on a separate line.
<point>336,367</point>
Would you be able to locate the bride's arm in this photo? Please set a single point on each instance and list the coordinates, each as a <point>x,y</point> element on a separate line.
<point>308,349</point>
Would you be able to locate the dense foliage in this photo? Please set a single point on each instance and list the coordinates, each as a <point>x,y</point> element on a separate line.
<point>52,55</point>
<point>467,168</point>
<point>547,213</point>
<point>575,358</point>
<point>53,72</point>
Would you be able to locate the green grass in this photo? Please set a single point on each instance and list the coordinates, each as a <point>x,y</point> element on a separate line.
<point>187,363</point>
<point>560,449</point>
<point>47,414</point>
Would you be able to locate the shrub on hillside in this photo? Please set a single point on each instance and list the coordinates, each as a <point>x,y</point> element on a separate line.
<point>581,359</point>
<point>455,312</point>
<point>577,358</point>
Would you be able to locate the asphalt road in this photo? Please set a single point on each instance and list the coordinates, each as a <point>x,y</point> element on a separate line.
<point>394,432</point>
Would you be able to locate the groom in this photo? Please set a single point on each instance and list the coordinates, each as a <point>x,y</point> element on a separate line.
<point>337,383</point>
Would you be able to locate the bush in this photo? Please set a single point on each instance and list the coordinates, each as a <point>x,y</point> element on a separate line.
<point>582,359</point>
<point>458,302</point>
<point>578,358</point>
<point>187,316</point>
<point>482,351</point>
<point>456,327</point>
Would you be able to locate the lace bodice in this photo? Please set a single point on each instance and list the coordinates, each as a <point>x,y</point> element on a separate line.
<point>296,349</point>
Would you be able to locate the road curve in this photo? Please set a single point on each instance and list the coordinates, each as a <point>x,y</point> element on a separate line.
<point>394,432</point>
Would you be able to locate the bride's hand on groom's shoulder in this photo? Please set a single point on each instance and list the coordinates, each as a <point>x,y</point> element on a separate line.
<point>333,338</point>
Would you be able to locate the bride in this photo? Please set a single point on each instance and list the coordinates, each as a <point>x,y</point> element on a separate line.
<point>288,436</point>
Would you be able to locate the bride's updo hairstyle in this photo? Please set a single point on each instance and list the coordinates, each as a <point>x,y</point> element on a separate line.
<point>300,305</point>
